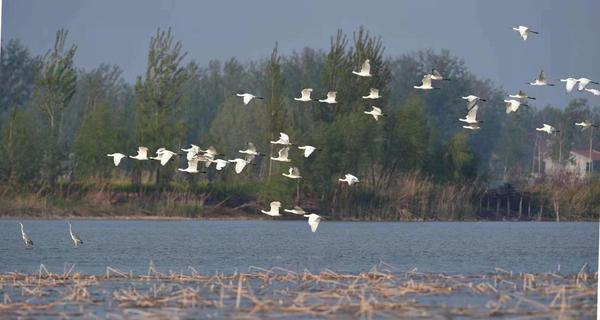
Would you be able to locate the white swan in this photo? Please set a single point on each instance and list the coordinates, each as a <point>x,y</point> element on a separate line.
<point>375,112</point>
<point>305,95</point>
<point>512,105</point>
<point>296,210</point>
<point>142,154</point>
<point>313,221</point>
<point>365,70</point>
<point>425,83</point>
<point>247,97</point>
<point>373,94</point>
<point>282,155</point>
<point>548,129</point>
<point>240,164</point>
<point>274,211</point>
<point>293,173</point>
<point>349,179</point>
<point>308,150</point>
<point>524,32</point>
<point>521,95</point>
<point>284,139</point>
<point>541,80</point>
<point>331,96</point>
<point>117,157</point>
<point>583,82</point>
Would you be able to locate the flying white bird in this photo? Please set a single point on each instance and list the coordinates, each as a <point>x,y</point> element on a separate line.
<point>163,155</point>
<point>471,116</point>
<point>26,239</point>
<point>436,75</point>
<point>331,95</point>
<point>219,163</point>
<point>192,166</point>
<point>585,124</point>
<point>308,150</point>
<point>349,179</point>
<point>240,164</point>
<point>191,151</point>
<point>274,211</point>
<point>524,32</point>
<point>284,139</point>
<point>117,157</point>
<point>76,239</point>
<point>375,112</point>
<point>425,83</point>
<point>595,92</point>
<point>513,105</point>
<point>569,84</point>
<point>365,70</point>
<point>142,154</point>
<point>583,82</point>
<point>247,97</point>
<point>283,155</point>
<point>472,101</point>
<point>313,221</point>
<point>250,150</point>
<point>296,210</point>
<point>548,129</point>
<point>305,95</point>
<point>293,173</point>
<point>520,95</point>
<point>541,80</point>
<point>373,94</point>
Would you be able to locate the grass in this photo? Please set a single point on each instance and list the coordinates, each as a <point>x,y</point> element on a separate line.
<point>277,293</point>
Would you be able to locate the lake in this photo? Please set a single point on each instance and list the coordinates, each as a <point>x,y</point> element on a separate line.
<point>351,247</point>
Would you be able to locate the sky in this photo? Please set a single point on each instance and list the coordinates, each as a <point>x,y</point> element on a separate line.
<point>118,32</point>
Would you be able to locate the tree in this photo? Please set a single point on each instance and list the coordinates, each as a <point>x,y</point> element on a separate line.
<point>17,72</point>
<point>159,97</point>
<point>459,161</point>
<point>55,84</point>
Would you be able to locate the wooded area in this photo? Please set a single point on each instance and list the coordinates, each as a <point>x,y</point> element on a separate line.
<point>58,122</point>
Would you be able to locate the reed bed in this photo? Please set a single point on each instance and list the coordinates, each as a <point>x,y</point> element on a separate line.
<point>280,293</point>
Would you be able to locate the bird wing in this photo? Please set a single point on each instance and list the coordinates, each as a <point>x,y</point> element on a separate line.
<point>377,110</point>
<point>239,166</point>
<point>313,221</point>
<point>143,151</point>
<point>570,84</point>
<point>294,171</point>
<point>436,73</point>
<point>275,205</point>
<point>542,76</point>
<point>306,93</point>
<point>366,67</point>
<point>299,210</point>
<point>251,147</point>
<point>283,153</point>
<point>165,157</point>
<point>308,150</point>
<point>331,95</point>
<point>472,114</point>
<point>284,137</point>
<point>426,82</point>
<point>522,94</point>
<point>583,82</point>
<point>247,98</point>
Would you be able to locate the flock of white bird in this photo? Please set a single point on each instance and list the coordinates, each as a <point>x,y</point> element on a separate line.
<point>195,155</point>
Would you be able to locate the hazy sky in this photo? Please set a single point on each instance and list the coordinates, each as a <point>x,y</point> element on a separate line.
<point>118,31</point>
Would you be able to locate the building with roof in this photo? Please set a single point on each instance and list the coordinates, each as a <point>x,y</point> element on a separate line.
<point>579,164</point>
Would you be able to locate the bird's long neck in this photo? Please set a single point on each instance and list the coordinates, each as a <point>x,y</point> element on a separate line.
<point>23,232</point>
<point>70,230</point>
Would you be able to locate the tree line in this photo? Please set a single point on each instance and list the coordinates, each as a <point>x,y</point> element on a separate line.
<point>58,122</point>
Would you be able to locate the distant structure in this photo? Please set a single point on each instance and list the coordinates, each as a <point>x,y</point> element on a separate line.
<point>579,164</point>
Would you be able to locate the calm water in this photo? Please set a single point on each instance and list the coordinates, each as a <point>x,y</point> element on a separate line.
<point>451,247</point>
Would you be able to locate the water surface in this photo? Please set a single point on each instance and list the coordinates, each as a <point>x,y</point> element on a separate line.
<point>226,246</point>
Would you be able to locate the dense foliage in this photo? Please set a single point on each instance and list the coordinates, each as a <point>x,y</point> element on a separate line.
<point>58,122</point>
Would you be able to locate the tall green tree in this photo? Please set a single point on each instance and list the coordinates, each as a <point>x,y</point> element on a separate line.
<point>159,95</point>
<point>55,84</point>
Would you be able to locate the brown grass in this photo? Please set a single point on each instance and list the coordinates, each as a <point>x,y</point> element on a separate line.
<point>279,293</point>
